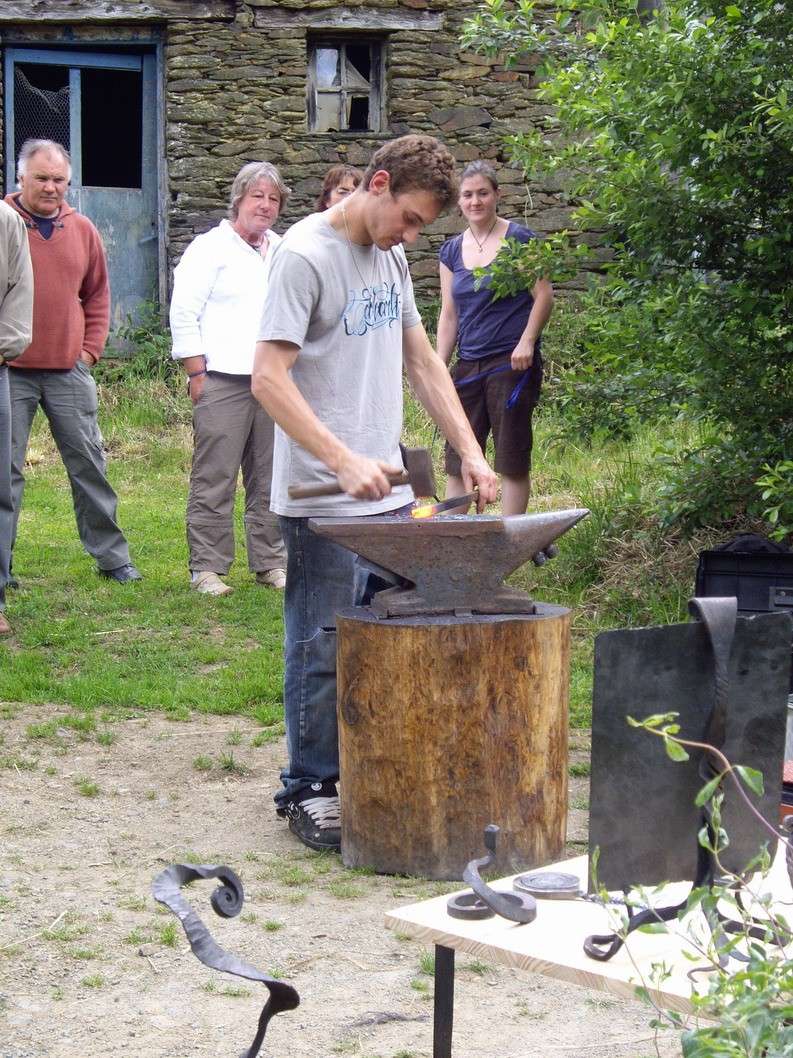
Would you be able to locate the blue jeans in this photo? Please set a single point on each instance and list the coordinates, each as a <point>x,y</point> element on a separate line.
<point>6,505</point>
<point>321,579</point>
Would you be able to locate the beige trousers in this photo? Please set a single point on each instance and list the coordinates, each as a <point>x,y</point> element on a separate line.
<point>231,430</point>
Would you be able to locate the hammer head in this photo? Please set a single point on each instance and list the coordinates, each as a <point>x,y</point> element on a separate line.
<point>421,474</point>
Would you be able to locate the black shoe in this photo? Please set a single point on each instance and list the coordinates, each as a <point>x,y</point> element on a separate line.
<point>315,818</point>
<point>121,573</point>
<point>12,582</point>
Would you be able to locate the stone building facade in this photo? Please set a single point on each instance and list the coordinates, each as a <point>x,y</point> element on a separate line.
<point>223,82</point>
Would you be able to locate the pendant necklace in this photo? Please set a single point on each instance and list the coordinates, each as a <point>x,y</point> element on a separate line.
<point>481,244</point>
<point>261,242</point>
<point>369,285</point>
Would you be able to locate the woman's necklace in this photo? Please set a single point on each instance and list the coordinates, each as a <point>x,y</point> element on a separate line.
<point>366,285</point>
<point>481,244</point>
<point>259,243</point>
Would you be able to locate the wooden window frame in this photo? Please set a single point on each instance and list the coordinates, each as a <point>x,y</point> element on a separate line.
<point>377,113</point>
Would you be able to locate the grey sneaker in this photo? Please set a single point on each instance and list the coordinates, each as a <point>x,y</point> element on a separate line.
<point>315,817</point>
<point>273,578</point>
<point>207,583</point>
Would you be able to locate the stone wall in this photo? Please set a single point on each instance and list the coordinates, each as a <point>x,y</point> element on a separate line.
<point>235,90</point>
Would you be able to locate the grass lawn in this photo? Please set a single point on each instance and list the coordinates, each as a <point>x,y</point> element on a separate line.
<point>95,645</point>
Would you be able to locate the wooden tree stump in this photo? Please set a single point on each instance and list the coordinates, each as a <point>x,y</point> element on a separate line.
<point>447,724</point>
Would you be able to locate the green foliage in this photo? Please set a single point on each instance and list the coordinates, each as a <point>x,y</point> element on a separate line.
<point>754,1008</point>
<point>430,309</point>
<point>168,934</point>
<point>671,130</point>
<point>712,480</point>
<point>750,1002</point>
<point>140,349</point>
<point>519,266</point>
<point>86,787</point>
<point>776,484</point>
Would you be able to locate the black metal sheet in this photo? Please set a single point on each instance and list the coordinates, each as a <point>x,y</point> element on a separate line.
<point>642,813</point>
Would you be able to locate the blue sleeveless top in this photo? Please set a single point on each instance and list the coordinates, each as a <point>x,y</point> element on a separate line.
<point>485,327</point>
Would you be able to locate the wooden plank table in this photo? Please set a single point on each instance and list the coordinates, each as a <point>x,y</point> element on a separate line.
<point>553,945</point>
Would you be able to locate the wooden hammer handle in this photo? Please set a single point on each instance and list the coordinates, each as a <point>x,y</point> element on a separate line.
<point>332,488</point>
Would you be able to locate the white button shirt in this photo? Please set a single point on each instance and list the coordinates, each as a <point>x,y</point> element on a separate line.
<point>218,295</point>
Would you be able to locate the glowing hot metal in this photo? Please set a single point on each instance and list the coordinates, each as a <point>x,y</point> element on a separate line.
<point>431,509</point>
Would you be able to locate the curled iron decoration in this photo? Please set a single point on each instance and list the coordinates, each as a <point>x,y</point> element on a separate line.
<point>484,901</point>
<point>227,901</point>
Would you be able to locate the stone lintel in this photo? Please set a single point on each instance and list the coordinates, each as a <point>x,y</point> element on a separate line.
<point>382,20</point>
<point>43,11</point>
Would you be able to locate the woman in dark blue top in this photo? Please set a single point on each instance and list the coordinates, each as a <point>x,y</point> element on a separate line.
<point>499,368</point>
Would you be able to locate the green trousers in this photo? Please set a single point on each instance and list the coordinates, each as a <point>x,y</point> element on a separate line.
<point>68,399</point>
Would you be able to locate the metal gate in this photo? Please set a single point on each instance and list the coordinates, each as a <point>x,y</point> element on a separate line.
<point>102,107</point>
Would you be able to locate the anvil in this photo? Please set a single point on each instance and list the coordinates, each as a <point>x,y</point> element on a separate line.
<point>454,564</point>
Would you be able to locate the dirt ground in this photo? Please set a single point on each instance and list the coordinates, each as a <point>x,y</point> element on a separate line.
<point>90,966</point>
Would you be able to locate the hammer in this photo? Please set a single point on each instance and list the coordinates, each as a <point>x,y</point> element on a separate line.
<point>418,473</point>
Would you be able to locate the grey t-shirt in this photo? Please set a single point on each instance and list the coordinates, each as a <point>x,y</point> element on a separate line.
<point>348,323</point>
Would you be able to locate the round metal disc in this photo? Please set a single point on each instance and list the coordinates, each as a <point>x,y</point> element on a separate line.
<point>468,905</point>
<point>549,885</point>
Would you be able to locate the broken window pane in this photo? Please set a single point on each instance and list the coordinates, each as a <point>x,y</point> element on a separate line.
<point>344,92</point>
<point>352,78</point>
<point>360,56</point>
<point>328,108</point>
<point>358,112</point>
<point>112,128</point>
<point>327,67</point>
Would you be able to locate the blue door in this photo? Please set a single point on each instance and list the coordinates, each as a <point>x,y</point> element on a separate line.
<point>102,107</point>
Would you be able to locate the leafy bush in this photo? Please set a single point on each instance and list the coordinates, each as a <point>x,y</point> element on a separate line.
<point>749,999</point>
<point>141,386</point>
<point>777,485</point>
<point>140,349</point>
<point>673,132</point>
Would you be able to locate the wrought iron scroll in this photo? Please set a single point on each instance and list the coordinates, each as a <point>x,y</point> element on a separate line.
<point>227,901</point>
<point>517,907</point>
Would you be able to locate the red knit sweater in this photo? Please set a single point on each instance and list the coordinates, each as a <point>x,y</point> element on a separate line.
<point>71,299</point>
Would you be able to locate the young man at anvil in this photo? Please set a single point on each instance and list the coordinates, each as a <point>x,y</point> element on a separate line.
<point>338,326</point>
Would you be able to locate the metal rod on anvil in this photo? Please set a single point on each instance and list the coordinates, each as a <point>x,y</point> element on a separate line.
<point>431,509</point>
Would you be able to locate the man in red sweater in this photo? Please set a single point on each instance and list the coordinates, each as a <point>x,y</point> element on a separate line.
<point>71,319</point>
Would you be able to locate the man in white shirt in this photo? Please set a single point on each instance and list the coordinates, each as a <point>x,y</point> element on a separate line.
<point>338,327</point>
<point>219,290</point>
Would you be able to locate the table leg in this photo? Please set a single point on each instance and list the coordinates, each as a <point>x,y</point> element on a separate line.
<point>444,1002</point>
